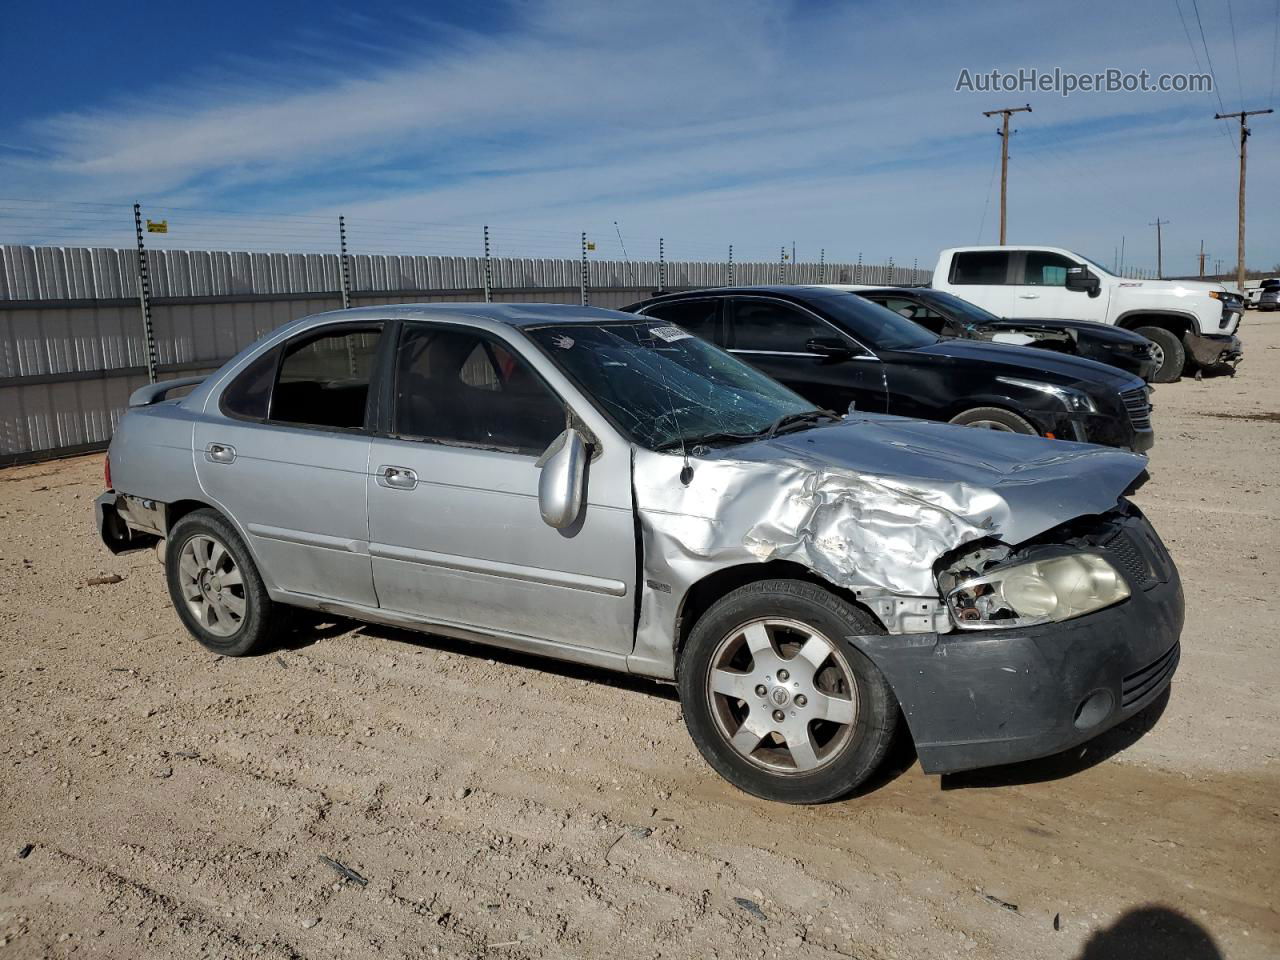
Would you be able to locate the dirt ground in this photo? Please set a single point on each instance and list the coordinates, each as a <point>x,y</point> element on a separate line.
<point>157,801</point>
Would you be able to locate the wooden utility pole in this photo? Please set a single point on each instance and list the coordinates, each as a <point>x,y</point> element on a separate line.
<point>1003,134</point>
<point>1202,255</point>
<point>1159,247</point>
<point>1244,153</point>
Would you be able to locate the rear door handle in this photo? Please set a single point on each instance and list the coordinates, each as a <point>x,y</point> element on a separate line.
<point>397,478</point>
<point>220,453</point>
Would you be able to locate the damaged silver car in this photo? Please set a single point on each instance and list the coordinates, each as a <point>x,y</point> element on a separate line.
<point>594,487</point>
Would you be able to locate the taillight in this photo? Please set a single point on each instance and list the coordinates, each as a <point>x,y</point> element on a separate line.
<point>106,470</point>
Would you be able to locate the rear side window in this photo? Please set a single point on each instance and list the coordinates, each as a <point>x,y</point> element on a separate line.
<point>248,395</point>
<point>699,317</point>
<point>455,387</point>
<point>990,267</point>
<point>1046,269</point>
<point>913,310</point>
<point>768,326</point>
<point>324,379</point>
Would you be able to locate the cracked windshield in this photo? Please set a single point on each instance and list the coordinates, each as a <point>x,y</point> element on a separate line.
<point>665,388</point>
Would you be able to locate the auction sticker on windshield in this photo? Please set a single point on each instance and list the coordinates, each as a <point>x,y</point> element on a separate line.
<point>669,333</point>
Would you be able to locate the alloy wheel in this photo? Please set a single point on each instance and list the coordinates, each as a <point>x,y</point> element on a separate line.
<point>212,585</point>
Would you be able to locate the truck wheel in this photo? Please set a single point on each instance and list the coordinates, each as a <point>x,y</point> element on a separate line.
<point>995,418</point>
<point>214,585</point>
<point>777,702</point>
<point>1169,352</point>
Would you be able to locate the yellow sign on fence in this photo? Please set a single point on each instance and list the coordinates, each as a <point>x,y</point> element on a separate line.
<point>157,226</point>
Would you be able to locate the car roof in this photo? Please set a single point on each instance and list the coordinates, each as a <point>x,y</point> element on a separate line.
<point>796,291</point>
<point>511,314</point>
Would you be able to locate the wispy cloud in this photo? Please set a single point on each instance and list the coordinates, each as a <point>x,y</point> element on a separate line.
<point>836,125</point>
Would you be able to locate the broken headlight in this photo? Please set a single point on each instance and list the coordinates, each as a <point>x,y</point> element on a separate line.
<point>1040,591</point>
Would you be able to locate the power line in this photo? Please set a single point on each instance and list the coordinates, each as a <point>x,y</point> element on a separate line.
<point>1275,40</point>
<point>1217,92</point>
<point>982,224</point>
<point>1196,57</point>
<point>1235,49</point>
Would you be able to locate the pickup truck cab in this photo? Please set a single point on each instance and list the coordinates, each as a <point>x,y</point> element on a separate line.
<point>608,489</point>
<point>1192,324</point>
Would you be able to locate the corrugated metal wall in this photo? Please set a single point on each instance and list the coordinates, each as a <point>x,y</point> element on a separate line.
<point>71,340</point>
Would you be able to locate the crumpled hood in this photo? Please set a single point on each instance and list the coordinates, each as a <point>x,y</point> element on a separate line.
<point>870,503</point>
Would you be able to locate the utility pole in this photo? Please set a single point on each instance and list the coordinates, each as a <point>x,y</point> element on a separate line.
<point>1003,133</point>
<point>1159,247</point>
<point>1201,259</point>
<point>1244,153</point>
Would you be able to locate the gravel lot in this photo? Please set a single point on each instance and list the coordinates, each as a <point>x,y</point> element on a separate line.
<point>160,802</point>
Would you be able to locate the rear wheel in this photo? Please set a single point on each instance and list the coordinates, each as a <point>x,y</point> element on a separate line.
<point>214,585</point>
<point>777,702</point>
<point>1170,354</point>
<point>995,418</point>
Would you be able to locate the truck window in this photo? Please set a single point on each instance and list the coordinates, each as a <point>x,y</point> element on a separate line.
<point>1046,269</point>
<point>986,267</point>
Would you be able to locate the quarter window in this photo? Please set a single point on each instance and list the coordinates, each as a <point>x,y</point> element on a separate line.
<point>774,327</point>
<point>324,379</point>
<point>1046,269</point>
<point>988,267</point>
<point>248,395</point>
<point>459,388</point>
<point>915,311</point>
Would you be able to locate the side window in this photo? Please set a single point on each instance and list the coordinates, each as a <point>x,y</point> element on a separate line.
<point>775,327</point>
<point>699,317</point>
<point>989,267</point>
<point>456,387</point>
<point>1046,269</point>
<point>324,379</point>
<point>248,395</point>
<point>914,311</point>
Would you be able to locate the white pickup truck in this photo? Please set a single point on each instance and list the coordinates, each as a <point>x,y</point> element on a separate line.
<point>1192,324</point>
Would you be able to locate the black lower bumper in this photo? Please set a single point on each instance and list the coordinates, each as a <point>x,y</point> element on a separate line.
<point>1209,351</point>
<point>979,699</point>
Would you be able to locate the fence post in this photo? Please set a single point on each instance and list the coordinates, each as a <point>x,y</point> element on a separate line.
<point>857,270</point>
<point>915,262</point>
<point>822,265</point>
<point>782,264</point>
<point>662,266</point>
<point>346,265</point>
<point>488,269</point>
<point>585,299</point>
<point>144,296</point>
<point>890,280</point>
<point>731,264</point>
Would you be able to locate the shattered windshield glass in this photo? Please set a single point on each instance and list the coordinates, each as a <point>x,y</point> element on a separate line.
<point>665,388</point>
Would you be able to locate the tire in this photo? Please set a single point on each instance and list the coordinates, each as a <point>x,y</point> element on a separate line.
<point>214,585</point>
<point>995,418</point>
<point>1169,351</point>
<point>749,640</point>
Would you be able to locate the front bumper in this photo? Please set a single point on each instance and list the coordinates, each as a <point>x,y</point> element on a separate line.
<point>980,699</point>
<point>1209,350</point>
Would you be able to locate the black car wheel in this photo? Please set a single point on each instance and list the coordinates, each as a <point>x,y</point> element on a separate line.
<point>215,586</point>
<point>1170,354</point>
<point>995,418</point>
<point>777,702</point>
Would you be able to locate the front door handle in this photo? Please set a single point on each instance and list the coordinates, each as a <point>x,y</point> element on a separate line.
<point>397,478</point>
<point>220,453</point>
<point>1028,296</point>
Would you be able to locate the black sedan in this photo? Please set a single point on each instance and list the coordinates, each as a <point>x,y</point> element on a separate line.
<point>949,316</point>
<point>841,351</point>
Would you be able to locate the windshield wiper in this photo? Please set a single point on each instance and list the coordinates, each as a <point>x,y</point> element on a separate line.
<point>805,418</point>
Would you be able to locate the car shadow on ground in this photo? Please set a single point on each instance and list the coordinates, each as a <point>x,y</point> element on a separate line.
<point>1068,763</point>
<point>1151,933</point>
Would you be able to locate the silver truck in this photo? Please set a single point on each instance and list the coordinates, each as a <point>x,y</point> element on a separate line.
<point>606,489</point>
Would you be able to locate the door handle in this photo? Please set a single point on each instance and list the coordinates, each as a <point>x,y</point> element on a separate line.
<point>397,478</point>
<point>220,453</point>
<point>1028,296</point>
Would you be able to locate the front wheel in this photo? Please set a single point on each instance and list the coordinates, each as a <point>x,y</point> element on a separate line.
<point>995,418</point>
<point>215,586</point>
<point>777,702</point>
<point>1169,353</point>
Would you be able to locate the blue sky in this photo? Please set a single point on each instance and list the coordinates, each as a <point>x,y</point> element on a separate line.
<point>833,125</point>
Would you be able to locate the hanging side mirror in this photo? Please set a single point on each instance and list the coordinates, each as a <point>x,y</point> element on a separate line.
<point>563,478</point>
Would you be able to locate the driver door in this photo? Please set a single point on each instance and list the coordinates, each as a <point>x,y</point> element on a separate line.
<point>455,530</point>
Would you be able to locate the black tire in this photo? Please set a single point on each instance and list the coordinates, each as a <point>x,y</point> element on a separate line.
<point>855,749</point>
<point>259,612</point>
<point>995,418</point>
<point>1173,355</point>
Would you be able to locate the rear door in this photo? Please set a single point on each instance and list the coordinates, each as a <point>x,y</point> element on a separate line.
<point>774,336</point>
<point>983,277</point>
<point>455,529</point>
<point>288,457</point>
